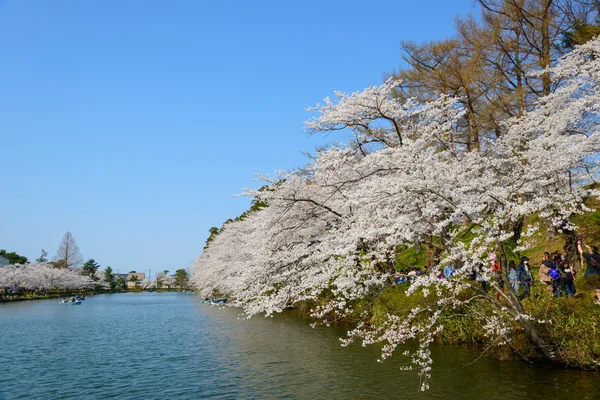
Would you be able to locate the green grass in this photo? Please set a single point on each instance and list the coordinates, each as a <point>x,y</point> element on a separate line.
<point>410,257</point>
<point>589,223</point>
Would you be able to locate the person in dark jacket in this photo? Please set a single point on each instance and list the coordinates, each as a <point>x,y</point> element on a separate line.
<point>568,280</point>
<point>524,277</point>
<point>592,259</point>
<point>555,275</point>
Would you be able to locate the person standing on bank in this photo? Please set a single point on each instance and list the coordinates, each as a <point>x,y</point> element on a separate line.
<point>544,272</point>
<point>569,280</point>
<point>449,270</point>
<point>512,277</point>
<point>592,259</point>
<point>555,275</point>
<point>524,277</point>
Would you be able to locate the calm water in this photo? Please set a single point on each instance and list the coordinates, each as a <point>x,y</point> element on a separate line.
<point>169,346</point>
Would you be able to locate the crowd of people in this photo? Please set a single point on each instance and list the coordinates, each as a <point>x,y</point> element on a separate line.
<point>409,275</point>
<point>555,273</point>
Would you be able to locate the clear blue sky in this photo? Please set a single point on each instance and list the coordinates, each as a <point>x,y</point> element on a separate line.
<point>131,123</point>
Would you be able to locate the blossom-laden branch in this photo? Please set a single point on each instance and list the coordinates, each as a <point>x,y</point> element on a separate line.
<point>328,232</point>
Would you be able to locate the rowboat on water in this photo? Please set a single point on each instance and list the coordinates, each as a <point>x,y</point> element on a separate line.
<point>214,301</point>
<point>75,303</point>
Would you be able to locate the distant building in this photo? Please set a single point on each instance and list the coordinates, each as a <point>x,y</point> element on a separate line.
<point>139,278</point>
<point>4,262</point>
<point>116,277</point>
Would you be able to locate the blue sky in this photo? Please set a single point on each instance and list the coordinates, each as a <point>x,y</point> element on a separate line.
<point>131,123</point>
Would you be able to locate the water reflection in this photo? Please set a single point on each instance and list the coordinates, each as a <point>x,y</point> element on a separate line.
<point>146,346</point>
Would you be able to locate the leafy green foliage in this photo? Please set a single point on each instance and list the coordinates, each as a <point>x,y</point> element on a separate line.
<point>121,283</point>
<point>214,231</point>
<point>90,267</point>
<point>255,205</point>
<point>13,257</point>
<point>581,33</point>
<point>42,257</point>
<point>109,277</point>
<point>181,278</point>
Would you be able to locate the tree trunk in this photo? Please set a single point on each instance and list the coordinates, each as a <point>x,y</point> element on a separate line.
<point>433,253</point>
<point>571,251</point>
<point>550,230</point>
<point>518,228</point>
<point>545,56</point>
<point>538,341</point>
<point>530,331</point>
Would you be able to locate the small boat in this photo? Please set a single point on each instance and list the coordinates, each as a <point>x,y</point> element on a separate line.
<point>214,301</point>
<point>76,302</point>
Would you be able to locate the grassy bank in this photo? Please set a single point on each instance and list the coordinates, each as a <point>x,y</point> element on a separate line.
<point>572,330</point>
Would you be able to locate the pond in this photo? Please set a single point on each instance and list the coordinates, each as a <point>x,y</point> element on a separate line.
<point>169,345</point>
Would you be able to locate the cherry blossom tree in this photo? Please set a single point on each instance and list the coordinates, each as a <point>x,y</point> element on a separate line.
<point>165,280</point>
<point>330,232</point>
<point>43,277</point>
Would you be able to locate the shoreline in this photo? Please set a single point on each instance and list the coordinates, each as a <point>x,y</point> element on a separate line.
<point>71,294</point>
<point>40,297</point>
